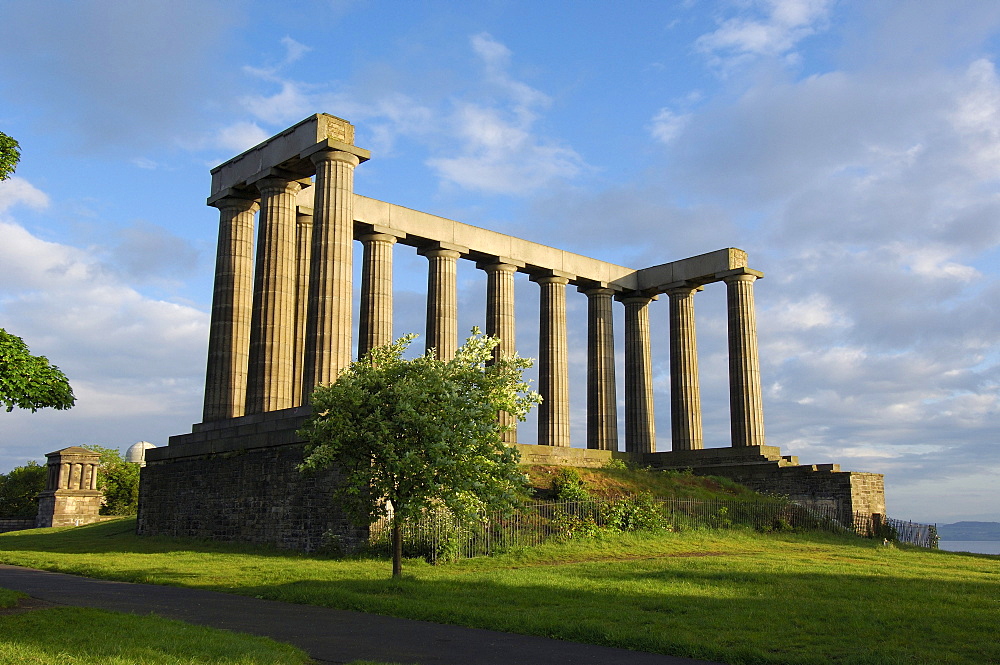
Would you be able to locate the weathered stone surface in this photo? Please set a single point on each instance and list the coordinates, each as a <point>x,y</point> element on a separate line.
<point>70,497</point>
<point>239,488</point>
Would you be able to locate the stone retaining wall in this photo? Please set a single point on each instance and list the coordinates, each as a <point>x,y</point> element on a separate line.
<point>229,487</point>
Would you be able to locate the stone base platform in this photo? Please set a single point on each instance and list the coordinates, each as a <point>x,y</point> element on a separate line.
<point>238,480</point>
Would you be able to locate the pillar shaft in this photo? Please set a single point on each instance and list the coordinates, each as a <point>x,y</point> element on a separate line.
<point>303,256</point>
<point>746,411</point>
<point>442,302</point>
<point>640,430</point>
<point>232,303</point>
<point>553,363</point>
<point>685,395</point>
<point>272,331</point>
<point>328,322</point>
<point>500,323</point>
<point>375,319</point>
<point>602,402</point>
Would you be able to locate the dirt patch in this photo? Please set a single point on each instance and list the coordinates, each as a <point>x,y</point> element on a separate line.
<point>27,605</point>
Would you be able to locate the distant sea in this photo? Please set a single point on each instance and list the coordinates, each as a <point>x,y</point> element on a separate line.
<point>977,546</point>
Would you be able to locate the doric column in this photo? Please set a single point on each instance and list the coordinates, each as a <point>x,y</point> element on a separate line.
<point>442,300</point>
<point>685,395</point>
<point>500,323</point>
<point>640,430</point>
<point>328,323</point>
<point>746,411</point>
<point>232,301</point>
<point>272,328</point>
<point>553,362</point>
<point>375,320</point>
<point>602,402</point>
<point>303,255</point>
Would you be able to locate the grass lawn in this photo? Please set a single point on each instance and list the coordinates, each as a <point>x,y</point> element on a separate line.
<point>79,636</point>
<point>736,597</point>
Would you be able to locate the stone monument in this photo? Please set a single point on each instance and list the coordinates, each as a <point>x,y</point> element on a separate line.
<point>282,319</point>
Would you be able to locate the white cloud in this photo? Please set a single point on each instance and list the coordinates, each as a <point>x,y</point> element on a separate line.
<point>500,152</point>
<point>240,136</point>
<point>770,27</point>
<point>135,362</point>
<point>667,125</point>
<point>17,191</point>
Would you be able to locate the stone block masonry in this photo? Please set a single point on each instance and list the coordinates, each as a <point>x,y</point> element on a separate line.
<point>281,324</point>
<point>241,483</point>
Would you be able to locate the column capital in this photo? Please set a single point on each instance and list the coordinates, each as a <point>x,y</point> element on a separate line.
<point>682,289</point>
<point>331,149</point>
<point>238,203</point>
<point>278,185</point>
<point>551,277</point>
<point>591,291</point>
<point>504,263</point>
<point>378,237</point>
<point>445,249</point>
<point>635,298</point>
<point>497,267</point>
<point>327,155</point>
<point>740,275</point>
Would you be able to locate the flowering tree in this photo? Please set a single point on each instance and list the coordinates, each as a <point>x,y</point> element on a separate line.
<point>409,435</point>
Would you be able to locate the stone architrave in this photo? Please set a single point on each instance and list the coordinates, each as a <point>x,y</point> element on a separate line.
<point>375,317</point>
<point>303,254</point>
<point>746,411</point>
<point>685,394</point>
<point>500,323</point>
<point>602,402</point>
<point>272,330</point>
<point>640,429</point>
<point>70,497</point>
<point>328,323</point>
<point>553,361</point>
<point>442,300</point>
<point>232,303</point>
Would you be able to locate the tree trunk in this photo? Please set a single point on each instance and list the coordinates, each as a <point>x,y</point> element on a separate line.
<point>397,547</point>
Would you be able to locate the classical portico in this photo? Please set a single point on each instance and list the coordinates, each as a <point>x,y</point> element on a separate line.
<point>281,324</point>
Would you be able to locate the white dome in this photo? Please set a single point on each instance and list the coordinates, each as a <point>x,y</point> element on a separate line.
<point>136,453</point>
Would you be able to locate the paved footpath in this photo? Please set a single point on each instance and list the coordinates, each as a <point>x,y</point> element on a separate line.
<point>328,635</point>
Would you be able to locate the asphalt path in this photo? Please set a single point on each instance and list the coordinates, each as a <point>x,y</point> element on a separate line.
<point>327,635</point>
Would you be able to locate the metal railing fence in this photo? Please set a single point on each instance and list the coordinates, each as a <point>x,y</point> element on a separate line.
<point>439,536</point>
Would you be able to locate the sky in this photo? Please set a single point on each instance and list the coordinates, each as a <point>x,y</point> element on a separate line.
<point>851,148</point>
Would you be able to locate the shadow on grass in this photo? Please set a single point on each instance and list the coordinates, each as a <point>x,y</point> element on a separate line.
<point>706,612</point>
<point>115,536</point>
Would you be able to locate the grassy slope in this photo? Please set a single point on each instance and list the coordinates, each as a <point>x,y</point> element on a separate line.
<point>665,484</point>
<point>729,596</point>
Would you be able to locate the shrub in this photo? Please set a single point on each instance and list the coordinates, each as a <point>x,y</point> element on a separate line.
<point>19,490</point>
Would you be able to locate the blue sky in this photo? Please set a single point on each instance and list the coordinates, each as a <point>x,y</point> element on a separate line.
<point>852,148</point>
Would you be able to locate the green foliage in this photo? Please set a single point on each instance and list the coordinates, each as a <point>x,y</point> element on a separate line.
<point>10,155</point>
<point>615,465</point>
<point>119,480</point>
<point>19,490</point>
<point>569,486</point>
<point>407,436</point>
<point>30,382</point>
